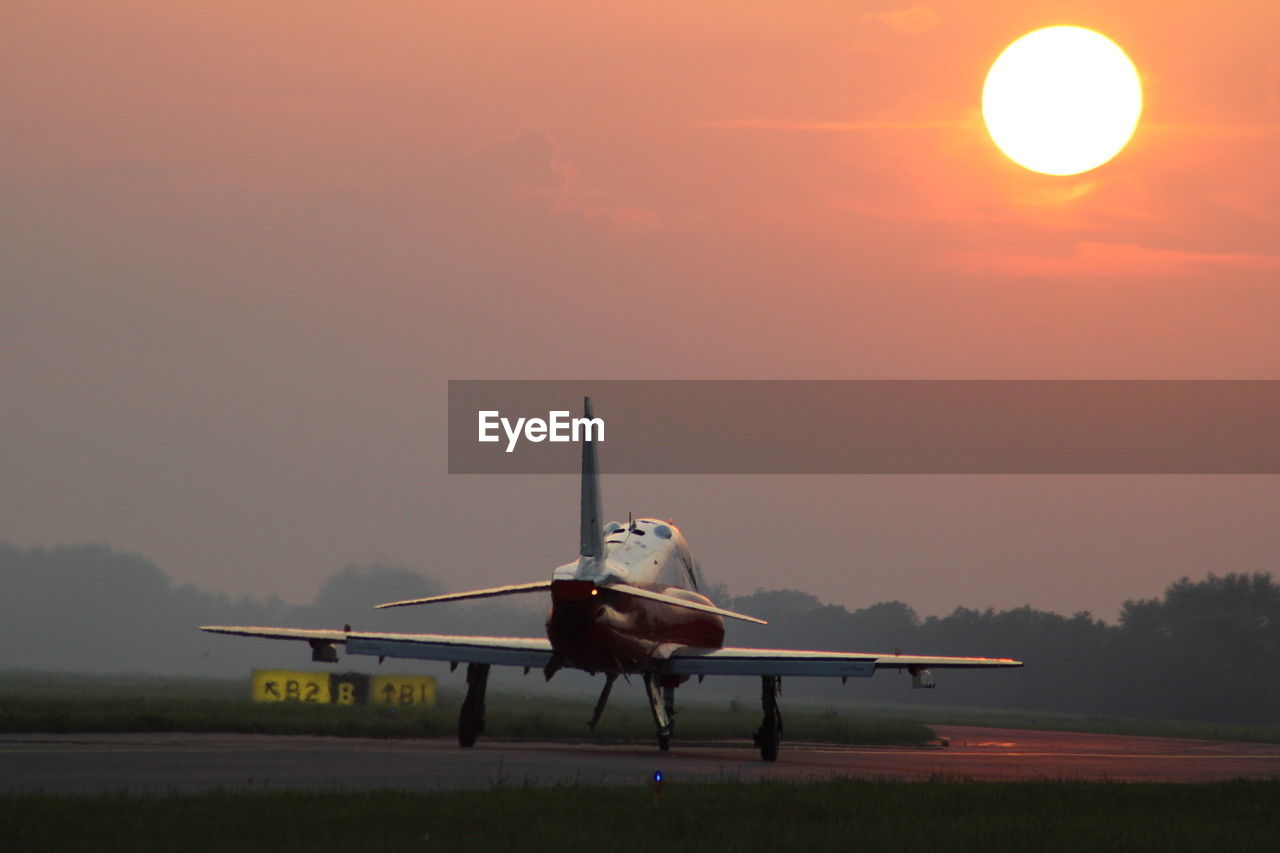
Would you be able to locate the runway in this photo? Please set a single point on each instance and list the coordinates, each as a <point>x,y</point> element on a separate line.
<point>161,763</point>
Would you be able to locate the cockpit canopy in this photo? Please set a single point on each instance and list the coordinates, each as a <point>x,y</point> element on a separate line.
<point>643,538</point>
<point>639,527</point>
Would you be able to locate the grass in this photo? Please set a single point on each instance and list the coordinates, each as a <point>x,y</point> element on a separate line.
<point>875,815</point>
<point>868,814</point>
<point>59,702</point>
<point>32,703</point>
<point>28,683</point>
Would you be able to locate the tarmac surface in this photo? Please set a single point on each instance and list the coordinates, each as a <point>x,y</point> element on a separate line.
<point>162,763</point>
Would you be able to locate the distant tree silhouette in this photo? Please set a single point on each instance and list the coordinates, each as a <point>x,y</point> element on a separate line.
<point>1203,650</point>
<point>1219,638</point>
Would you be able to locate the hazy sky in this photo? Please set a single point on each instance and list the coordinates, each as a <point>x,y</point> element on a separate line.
<point>244,246</point>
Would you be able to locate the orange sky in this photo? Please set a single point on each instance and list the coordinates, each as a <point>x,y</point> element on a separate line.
<point>244,248</point>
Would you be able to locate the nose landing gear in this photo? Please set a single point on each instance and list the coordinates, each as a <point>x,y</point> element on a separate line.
<point>609,678</point>
<point>663,705</point>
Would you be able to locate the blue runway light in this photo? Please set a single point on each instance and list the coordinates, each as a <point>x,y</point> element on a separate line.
<point>656,787</point>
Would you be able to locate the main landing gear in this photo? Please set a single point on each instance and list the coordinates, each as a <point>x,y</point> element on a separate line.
<point>471,717</point>
<point>663,705</point>
<point>769,735</point>
<point>609,678</point>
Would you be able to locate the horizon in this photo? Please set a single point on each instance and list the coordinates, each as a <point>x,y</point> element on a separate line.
<point>717,589</point>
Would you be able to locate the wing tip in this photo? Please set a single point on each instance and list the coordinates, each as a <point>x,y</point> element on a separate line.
<point>409,602</point>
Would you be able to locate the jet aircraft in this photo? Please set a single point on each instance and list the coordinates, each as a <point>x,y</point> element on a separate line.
<point>629,604</point>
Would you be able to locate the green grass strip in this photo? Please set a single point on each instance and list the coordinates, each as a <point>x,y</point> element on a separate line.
<point>863,815</point>
<point>507,717</point>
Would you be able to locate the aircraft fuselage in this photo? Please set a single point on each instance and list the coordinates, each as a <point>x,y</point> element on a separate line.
<point>597,629</point>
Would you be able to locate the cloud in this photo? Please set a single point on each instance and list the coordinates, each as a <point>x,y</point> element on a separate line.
<point>1105,260</point>
<point>1254,130</point>
<point>531,161</point>
<point>531,167</point>
<point>909,21</point>
<point>841,126</point>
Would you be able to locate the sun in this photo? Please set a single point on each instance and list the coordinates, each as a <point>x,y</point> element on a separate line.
<point>1062,100</point>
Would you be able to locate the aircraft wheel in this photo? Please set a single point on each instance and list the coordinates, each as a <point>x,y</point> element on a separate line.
<point>471,716</point>
<point>769,735</point>
<point>469,728</point>
<point>769,738</point>
<point>664,742</point>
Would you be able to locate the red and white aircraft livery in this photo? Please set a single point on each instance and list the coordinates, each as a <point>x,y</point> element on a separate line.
<point>628,604</point>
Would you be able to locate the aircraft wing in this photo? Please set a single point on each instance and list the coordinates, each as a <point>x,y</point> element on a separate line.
<point>672,659</point>
<point>686,660</point>
<point>502,651</point>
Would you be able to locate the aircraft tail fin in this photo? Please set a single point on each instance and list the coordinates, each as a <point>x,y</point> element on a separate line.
<point>591,525</point>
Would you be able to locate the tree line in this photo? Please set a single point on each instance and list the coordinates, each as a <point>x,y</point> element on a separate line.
<point>1203,650</point>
